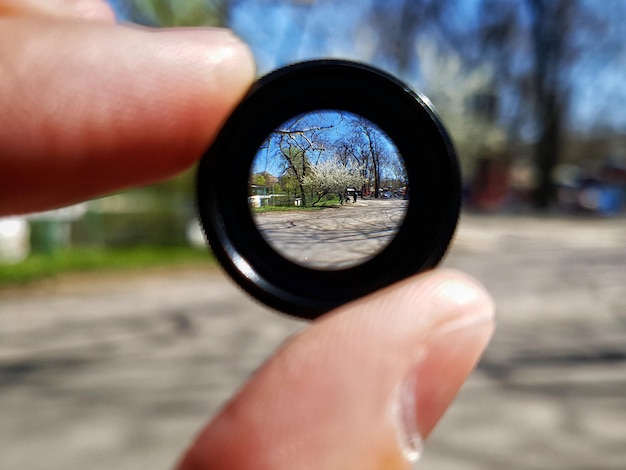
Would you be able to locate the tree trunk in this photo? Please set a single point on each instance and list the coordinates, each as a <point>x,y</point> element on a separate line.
<point>551,22</point>
<point>546,157</point>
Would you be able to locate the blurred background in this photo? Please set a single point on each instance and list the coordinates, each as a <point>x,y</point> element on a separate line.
<point>531,91</point>
<point>119,337</point>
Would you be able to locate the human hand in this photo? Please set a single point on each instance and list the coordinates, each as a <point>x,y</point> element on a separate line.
<point>90,107</point>
<point>358,386</point>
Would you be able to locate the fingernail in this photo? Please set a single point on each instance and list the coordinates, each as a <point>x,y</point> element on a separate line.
<point>441,366</point>
<point>404,413</point>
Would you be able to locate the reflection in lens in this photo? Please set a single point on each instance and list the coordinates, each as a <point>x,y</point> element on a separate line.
<point>328,189</point>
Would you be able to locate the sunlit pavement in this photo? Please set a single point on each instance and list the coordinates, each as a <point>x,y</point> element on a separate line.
<point>102,372</point>
<point>335,236</point>
<point>551,390</point>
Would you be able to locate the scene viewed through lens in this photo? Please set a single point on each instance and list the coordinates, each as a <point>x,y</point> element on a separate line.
<point>328,189</point>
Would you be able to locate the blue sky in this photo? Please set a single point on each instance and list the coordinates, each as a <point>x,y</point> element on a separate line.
<point>281,32</point>
<point>336,128</point>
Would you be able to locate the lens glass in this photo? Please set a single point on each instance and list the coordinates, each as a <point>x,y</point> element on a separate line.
<point>328,189</point>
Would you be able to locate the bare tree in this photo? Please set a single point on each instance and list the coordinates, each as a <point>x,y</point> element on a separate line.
<point>294,147</point>
<point>540,90</point>
<point>371,149</point>
<point>351,143</point>
<point>530,45</point>
<point>551,24</point>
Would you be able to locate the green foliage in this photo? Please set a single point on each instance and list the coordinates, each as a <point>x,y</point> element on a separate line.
<point>145,225</point>
<point>41,266</point>
<point>329,200</point>
<point>257,210</point>
<point>259,179</point>
<point>178,12</point>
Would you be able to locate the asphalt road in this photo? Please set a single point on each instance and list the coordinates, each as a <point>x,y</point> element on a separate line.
<point>102,372</point>
<point>333,237</point>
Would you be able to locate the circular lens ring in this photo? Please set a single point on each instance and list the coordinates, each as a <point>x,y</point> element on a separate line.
<point>413,126</point>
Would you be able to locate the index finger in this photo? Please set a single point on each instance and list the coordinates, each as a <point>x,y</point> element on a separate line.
<point>90,108</point>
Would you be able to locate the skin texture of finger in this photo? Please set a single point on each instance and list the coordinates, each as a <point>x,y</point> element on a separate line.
<point>95,10</point>
<point>324,399</point>
<point>90,108</point>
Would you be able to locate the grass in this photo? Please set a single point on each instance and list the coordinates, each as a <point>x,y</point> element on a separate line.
<point>285,208</point>
<point>40,266</point>
<point>323,204</point>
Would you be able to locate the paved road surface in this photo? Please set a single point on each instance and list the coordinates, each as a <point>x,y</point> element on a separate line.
<point>333,237</point>
<point>102,372</point>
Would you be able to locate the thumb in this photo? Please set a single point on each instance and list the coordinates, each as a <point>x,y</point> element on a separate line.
<point>358,389</point>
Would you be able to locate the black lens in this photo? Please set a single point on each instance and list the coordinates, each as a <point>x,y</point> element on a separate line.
<point>329,181</point>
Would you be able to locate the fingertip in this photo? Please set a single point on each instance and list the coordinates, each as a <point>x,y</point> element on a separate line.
<point>232,69</point>
<point>420,303</point>
<point>212,65</point>
<point>461,325</point>
<point>227,61</point>
<point>466,299</point>
<point>139,106</point>
<point>215,70</point>
<point>450,355</point>
<point>323,400</point>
